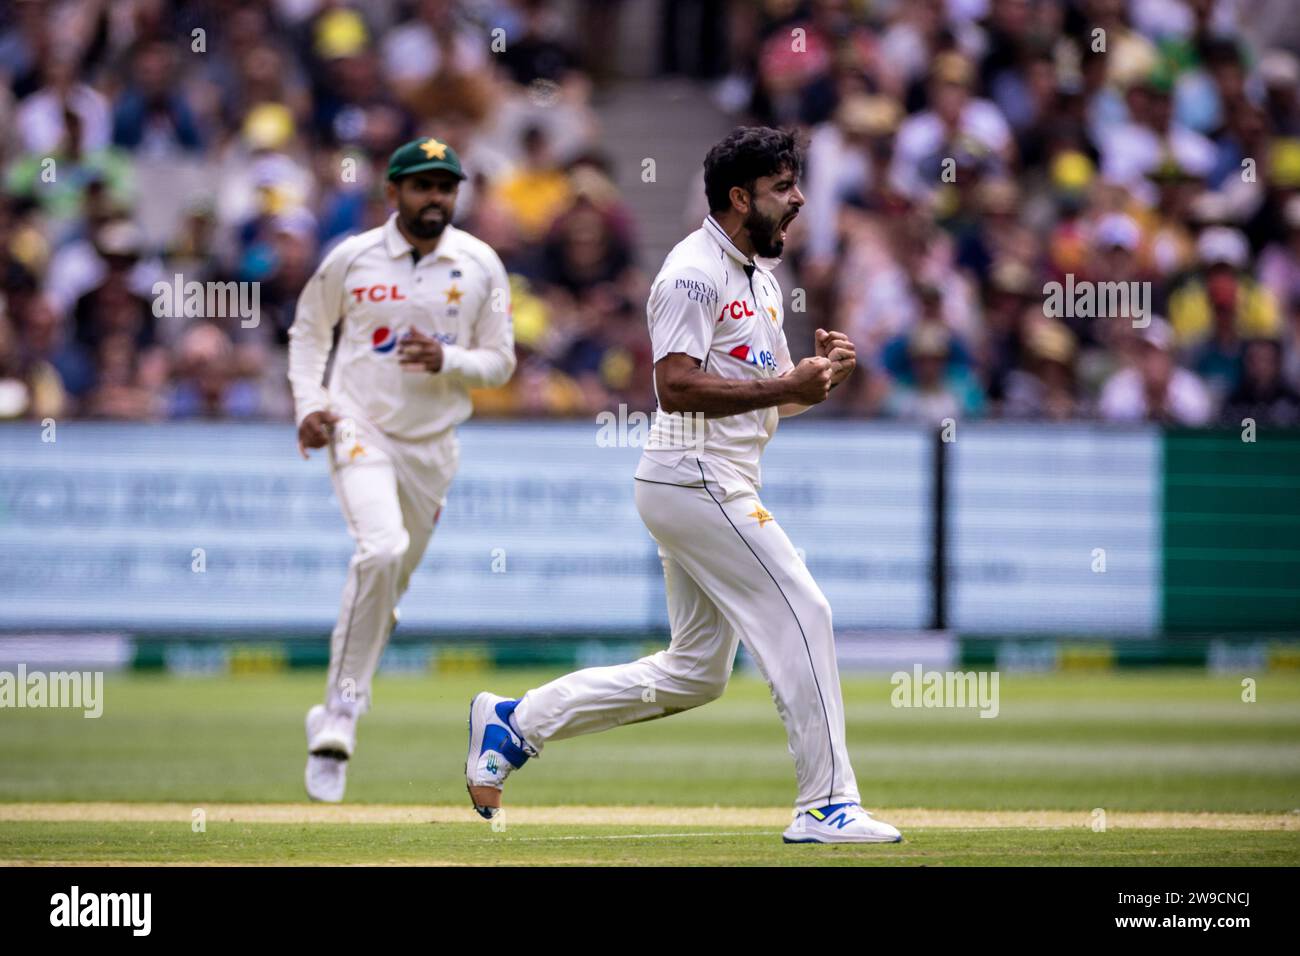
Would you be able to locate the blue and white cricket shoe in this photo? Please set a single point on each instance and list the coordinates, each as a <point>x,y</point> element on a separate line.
<point>495,749</point>
<point>840,823</point>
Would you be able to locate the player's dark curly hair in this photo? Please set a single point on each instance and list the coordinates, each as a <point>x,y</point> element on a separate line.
<point>747,153</point>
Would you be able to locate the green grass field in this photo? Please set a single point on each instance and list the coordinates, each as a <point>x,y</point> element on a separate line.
<point>1147,749</point>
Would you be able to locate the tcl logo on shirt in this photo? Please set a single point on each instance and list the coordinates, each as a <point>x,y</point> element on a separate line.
<point>738,309</point>
<point>378,293</point>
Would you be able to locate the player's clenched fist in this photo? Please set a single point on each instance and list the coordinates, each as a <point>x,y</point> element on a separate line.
<point>316,430</point>
<point>811,380</point>
<point>416,350</point>
<point>841,352</point>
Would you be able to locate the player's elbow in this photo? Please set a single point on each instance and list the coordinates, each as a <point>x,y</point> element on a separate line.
<point>669,402</point>
<point>673,380</point>
<point>675,399</point>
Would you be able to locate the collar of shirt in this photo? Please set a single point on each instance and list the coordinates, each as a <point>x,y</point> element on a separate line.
<point>724,241</point>
<point>397,245</point>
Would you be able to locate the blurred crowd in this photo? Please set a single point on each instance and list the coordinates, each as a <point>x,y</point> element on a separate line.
<point>965,156</point>
<point>962,156</point>
<point>234,141</point>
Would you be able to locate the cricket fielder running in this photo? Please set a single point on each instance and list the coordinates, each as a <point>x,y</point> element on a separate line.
<point>425,315</point>
<point>715,315</point>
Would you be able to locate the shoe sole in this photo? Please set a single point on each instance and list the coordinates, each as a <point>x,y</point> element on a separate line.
<point>787,839</point>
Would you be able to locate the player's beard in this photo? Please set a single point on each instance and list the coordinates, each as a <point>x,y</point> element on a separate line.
<point>423,228</point>
<point>765,233</point>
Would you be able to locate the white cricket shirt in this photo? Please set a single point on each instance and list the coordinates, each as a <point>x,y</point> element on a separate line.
<point>714,303</point>
<point>458,294</point>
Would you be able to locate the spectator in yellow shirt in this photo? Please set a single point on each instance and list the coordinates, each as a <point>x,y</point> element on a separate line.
<point>1222,283</point>
<point>537,192</point>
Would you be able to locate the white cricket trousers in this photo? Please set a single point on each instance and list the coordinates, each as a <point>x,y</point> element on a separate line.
<point>391,493</point>
<point>730,574</point>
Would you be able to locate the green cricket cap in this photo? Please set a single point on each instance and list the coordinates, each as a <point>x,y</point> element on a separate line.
<point>421,155</point>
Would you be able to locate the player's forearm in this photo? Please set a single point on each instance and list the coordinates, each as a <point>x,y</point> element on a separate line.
<point>480,367</point>
<point>308,355</point>
<point>714,397</point>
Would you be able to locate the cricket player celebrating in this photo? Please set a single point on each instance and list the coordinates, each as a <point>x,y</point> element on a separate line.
<point>715,314</point>
<point>425,315</point>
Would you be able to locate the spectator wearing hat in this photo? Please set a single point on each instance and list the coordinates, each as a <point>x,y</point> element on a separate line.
<point>1134,149</point>
<point>1279,70</point>
<point>937,390</point>
<point>1012,301</point>
<point>925,140</point>
<point>986,226</point>
<point>1071,174</point>
<point>352,103</point>
<point>1115,241</point>
<point>1222,298</point>
<point>115,303</point>
<point>1155,388</point>
<point>1045,388</point>
<point>896,356</point>
<point>1169,246</point>
<point>1259,201</point>
<point>843,166</point>
<point>262,171</point>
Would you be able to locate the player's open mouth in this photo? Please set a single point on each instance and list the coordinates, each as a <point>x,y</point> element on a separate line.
<point>785,224</point>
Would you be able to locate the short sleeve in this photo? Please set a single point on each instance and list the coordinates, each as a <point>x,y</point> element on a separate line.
<point>682,312</point>
<point>783,361</point>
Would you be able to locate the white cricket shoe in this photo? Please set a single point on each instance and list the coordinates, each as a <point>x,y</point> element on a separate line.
<point>840,823</point>
<point>331,738</point>
<point>495,749</point>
